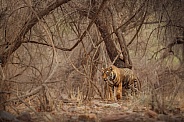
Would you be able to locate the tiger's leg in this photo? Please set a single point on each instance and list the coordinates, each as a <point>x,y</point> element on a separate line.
<point>111,93</point>
<point>119,91</point>
<point>115,94</point>
<point>125,89</point>
<point>134,87</point>
<point>123,92</point>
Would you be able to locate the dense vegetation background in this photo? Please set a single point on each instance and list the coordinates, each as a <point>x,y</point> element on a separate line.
<point>52,49</point>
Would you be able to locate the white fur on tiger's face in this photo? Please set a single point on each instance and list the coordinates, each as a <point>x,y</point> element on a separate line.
<point>108,75</point>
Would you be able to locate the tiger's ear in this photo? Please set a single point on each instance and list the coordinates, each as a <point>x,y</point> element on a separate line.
<point>102,69</point>
<point>111,68</point>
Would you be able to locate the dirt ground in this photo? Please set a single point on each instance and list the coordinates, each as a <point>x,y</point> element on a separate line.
<point>94,111</point>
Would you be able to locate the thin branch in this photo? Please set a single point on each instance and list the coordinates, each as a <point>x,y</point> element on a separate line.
<point>28,25</point>
<point>139,28</point>
<point>124,24</point>
<point>168,48</point>
<point>81,37</point>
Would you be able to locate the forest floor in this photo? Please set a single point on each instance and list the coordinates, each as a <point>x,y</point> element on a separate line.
<point>97,111</point>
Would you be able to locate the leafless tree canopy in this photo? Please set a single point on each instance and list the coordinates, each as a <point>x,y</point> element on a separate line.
<point>53,48</point>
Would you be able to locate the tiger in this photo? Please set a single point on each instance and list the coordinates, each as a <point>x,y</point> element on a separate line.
<point>120,79</point>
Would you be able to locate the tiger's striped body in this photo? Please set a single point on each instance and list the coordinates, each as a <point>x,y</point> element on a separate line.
<point>120,79</point>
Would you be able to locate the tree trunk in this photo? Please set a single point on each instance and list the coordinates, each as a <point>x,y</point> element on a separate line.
<point>8,49</point>
<point>105,31</point>
<point>110,46</point>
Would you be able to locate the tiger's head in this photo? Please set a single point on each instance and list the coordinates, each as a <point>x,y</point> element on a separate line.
<point>108,75</point>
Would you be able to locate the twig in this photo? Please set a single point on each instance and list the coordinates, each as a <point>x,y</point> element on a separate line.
<point>2,73</point>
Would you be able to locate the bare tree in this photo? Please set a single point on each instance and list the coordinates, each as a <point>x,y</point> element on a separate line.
<point>50,48</point>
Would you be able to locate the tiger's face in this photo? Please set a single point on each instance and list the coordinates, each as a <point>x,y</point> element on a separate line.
<point>108,75</point>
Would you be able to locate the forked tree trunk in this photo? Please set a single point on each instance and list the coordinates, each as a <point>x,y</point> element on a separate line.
<point>106,34</point>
